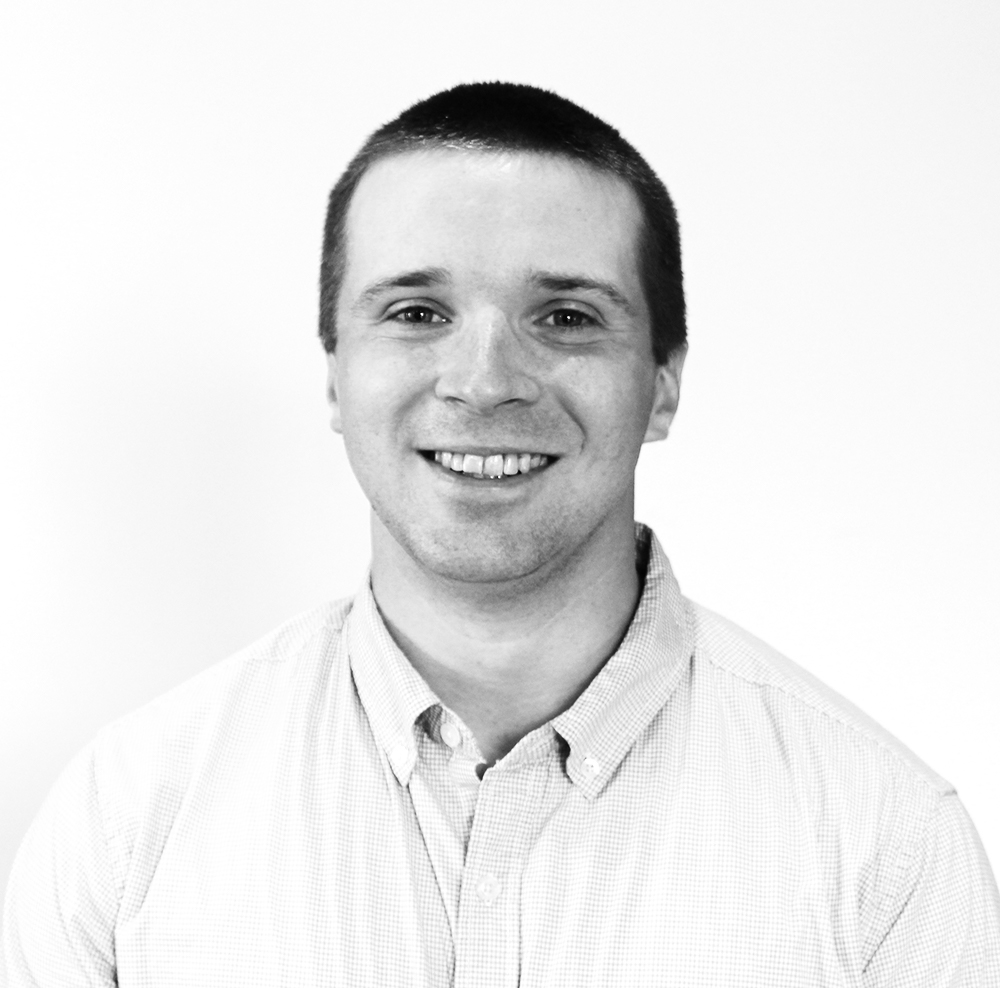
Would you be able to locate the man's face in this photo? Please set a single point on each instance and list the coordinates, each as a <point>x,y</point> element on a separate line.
<point>491,309</point>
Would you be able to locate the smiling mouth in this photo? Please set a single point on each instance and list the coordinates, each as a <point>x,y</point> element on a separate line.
<point>489,466</point>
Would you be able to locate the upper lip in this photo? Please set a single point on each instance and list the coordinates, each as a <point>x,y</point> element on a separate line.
<point>503,449</point>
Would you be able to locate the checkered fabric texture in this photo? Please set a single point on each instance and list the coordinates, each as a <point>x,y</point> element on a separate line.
<point>307,813</point>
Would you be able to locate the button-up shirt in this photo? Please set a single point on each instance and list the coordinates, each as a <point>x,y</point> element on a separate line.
<point>308,813</point>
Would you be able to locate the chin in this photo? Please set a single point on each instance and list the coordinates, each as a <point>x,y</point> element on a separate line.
<point>482,557</point>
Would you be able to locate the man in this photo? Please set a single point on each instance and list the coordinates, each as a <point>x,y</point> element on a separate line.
<point>518,756</point>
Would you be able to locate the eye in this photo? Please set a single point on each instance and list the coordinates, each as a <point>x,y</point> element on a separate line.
<point>417,315</point>
<point>568,319</point>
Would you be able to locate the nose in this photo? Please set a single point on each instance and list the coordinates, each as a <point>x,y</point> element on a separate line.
<point>485,365</point>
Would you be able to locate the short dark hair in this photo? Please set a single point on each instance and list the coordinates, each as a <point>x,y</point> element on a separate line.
<point>503,116</point>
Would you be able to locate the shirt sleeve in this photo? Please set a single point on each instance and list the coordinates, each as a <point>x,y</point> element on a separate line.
<point>61,902</point>
<point>947,931</point>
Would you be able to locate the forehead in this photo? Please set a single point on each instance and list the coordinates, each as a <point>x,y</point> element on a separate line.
<point>492,214</point>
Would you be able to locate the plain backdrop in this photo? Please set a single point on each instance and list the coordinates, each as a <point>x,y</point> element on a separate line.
<point>170,488</point>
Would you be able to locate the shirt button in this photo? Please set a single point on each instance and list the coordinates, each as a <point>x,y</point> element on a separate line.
<point>489,888</point>
<point>399,754</point>
<point>450,734</point>
<point>591,766</point>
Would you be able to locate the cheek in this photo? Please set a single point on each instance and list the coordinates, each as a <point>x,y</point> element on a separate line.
<point>375,392</point>
<point>613,405</point>
<point>355,408</point>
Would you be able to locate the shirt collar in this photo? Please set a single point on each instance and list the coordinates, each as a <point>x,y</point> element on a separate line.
<point>600,727</point>
<point>392,692</point>
<point>635,683</point>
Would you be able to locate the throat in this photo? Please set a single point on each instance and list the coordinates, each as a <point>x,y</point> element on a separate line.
<point>506,671</point>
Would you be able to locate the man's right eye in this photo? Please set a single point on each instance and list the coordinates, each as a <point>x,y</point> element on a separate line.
<point>417,314</point>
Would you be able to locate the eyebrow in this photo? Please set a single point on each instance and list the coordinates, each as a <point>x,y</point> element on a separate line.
<point>548,280</point>
<point>421,278</point>
<point>555,282</point>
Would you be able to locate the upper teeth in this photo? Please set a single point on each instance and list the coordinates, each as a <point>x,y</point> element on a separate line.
<point>494,465</point>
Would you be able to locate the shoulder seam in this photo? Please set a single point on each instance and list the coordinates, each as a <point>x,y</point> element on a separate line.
<point>118,866</point>
<point>333,619</point>
<point>853,729</point>
<point>902,867</point>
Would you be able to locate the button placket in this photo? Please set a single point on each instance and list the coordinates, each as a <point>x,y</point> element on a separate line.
<point>462,766</point>
<point>487,947</point>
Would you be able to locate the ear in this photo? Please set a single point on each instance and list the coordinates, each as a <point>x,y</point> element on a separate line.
<point>332,392</point>
<point>666,395</point>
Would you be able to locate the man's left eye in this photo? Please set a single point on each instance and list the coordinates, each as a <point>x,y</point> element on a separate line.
<point>568,319</point>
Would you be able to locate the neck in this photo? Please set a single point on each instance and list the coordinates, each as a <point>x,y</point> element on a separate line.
<point>509,657</point>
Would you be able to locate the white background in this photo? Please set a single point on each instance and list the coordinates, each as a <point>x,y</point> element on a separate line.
<point>170,490</point>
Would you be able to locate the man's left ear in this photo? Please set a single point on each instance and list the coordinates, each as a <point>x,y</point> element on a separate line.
<point>666,395</point>
<point>331,392</point>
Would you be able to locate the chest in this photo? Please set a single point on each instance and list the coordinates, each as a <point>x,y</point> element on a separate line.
<point>342,878</point>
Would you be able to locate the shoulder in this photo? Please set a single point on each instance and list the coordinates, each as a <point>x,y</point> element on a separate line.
<point>801,708</point>
<point>888,838</point>
<point>145,763</point>
<point>244,680</point>
<point>107,819</point>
